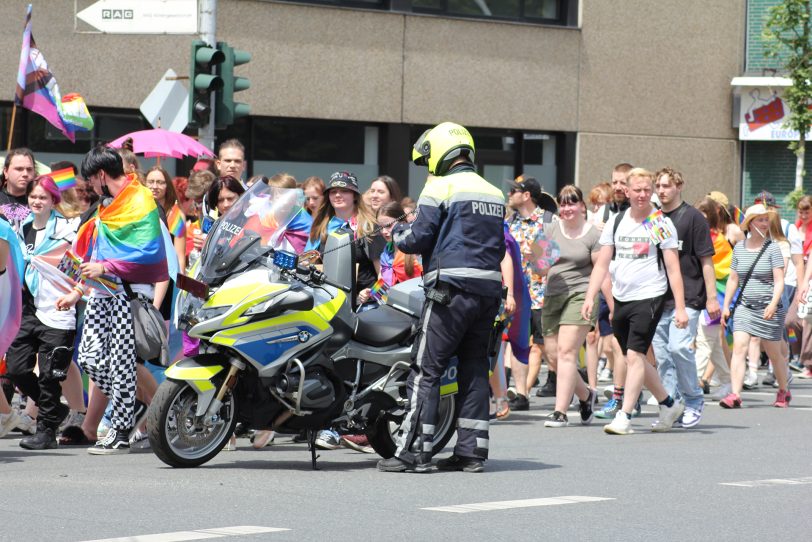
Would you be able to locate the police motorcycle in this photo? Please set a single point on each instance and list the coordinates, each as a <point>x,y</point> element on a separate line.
<point>280,347</point>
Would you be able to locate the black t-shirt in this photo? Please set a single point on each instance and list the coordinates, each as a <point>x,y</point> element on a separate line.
<point>366,257</point>
<point>14,207</point>
<point>694,243</point>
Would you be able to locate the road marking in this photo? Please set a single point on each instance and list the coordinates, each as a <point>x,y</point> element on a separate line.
<point>771,482</point>
<point>200,534</point>
<point>506,505</point>
<point>772,394</point>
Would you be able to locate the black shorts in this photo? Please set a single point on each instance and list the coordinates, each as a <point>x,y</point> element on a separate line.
<point>604,325</point>
<point>635,322</point>
<point>535,326</point>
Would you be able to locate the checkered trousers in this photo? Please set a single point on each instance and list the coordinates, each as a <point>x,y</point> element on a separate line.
<point>107,354</point>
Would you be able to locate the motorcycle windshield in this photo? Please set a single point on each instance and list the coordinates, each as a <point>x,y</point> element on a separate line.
<point>254,225</point>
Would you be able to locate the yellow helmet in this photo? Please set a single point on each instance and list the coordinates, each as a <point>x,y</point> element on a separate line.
<point>438,147</point>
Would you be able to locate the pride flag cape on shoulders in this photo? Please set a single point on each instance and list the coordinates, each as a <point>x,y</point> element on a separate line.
<point>127,237</point>
<point>11,300</point>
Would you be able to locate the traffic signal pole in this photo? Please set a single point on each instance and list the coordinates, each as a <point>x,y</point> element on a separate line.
<point>208,30</point>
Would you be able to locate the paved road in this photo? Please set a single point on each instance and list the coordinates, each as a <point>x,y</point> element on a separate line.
<point>640,487</point>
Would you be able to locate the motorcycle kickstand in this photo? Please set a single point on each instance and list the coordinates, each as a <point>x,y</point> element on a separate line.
<point>311,443</point>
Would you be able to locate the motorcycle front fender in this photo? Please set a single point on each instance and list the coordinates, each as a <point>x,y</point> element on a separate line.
<point>199,377</point>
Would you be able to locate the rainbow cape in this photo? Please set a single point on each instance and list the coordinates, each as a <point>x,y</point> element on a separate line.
<point>127,236</point>
<point>519,330</point>
<point>11,299</point>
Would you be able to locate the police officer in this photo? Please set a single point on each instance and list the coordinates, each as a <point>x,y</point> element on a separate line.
<point>459,232</point>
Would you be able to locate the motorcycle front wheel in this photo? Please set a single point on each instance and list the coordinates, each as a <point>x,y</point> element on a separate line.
<point>176,437</point>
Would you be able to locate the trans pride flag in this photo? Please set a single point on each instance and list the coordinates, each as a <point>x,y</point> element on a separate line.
<point>37,90</point>
<point>127,236</point>
<point>11,300</point>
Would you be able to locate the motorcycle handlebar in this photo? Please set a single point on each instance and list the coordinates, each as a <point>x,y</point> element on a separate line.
<point>319,278</point>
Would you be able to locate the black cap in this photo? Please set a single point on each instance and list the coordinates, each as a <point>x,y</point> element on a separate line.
<point>343,179</point>
<point>531,185</point>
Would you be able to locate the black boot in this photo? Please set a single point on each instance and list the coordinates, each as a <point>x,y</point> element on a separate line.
<point>548,389</point>
<point>43,439</point>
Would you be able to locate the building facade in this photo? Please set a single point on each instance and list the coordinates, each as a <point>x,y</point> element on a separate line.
<point>558,89</point>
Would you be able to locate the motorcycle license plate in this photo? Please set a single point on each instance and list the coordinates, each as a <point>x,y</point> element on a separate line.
<point>448,382</point>
<point>195,287</point>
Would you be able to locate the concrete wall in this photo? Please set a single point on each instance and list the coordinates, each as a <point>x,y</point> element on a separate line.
<point>654,89</point>
<point>642,80</point>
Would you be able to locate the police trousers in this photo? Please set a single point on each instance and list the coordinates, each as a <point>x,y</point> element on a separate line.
<point>461,328</point>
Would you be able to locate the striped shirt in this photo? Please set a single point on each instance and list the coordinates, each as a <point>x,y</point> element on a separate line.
<point>759,289</point>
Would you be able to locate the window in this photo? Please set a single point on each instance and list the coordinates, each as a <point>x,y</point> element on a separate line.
<point>554,12</point>
<point>537,11</point>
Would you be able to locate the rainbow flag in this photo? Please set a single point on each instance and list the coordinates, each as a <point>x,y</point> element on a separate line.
<point>379,291</point>
<point>793,337</point>
<point>11,300</point>
<point>64,178</point>
<point>176,222</point>
<point>127,236</point>
<point>738,215</point>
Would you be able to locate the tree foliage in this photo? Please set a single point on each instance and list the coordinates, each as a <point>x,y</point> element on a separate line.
<point>787,35</point>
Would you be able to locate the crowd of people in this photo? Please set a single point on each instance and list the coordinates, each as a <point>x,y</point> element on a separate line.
<point>636,289</point>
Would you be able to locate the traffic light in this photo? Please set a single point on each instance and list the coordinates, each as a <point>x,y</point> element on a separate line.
<point>226,109</point>
<point>202,83</point>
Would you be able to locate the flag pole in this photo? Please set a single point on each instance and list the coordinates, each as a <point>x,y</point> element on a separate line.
<point>11,126</point>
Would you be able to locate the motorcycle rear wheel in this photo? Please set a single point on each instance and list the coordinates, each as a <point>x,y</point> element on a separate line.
<point>382,435</point>
<point>173,435</point>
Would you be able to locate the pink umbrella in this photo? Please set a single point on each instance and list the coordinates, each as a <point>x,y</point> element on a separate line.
<point>160,142</point>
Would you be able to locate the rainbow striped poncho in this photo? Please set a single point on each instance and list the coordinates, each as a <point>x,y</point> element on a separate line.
<point>127,237</point>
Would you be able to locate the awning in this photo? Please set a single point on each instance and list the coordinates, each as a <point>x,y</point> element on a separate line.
<point>756,81</point>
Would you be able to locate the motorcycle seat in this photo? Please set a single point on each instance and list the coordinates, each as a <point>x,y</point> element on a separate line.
<point>383,326</point>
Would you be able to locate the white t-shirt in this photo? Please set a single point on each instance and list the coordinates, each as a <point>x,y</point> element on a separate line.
<point>796,246</point>
<point>45,300</point>
<point>635,272</point>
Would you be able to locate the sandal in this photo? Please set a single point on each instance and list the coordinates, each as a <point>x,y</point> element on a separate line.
<point>74,436</point>
<point>502,408</point>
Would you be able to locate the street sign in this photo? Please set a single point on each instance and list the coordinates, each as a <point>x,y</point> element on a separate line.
<point>168,103</point>
<point>142,16</point>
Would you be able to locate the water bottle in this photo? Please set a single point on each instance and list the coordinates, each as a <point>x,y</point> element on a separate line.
<point>194,255</point>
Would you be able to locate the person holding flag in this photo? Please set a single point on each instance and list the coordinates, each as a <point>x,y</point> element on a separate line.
<point>46,334</point>
<point>123,240</point>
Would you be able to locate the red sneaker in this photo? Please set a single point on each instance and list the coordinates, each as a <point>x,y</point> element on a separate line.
<point>782,399</point>
<point>731,401</point>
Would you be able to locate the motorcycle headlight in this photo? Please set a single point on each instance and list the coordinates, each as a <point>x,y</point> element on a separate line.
<point>259,308</point>
<point>213,312</point>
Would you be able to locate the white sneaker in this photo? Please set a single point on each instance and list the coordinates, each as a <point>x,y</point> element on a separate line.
<point>751,380</point>
<point>652,401</point>
<point>511,393</point>
<point>8,422</point>
<point>139,440</point>
<point>605,375</point>
<point>668,416</point>
<point>691,417</point>
<point>26,424</point>
<point>74,418</point>
<point>621,425</point>
<point>723,391</point>
<point>608,391</point>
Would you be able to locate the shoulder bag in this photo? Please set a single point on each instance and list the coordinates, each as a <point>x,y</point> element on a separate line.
<point>151,341</point>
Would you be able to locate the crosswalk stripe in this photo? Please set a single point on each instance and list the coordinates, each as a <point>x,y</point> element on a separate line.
<point>200,534</point>
<point>770,482</point>
<point>506,505</point>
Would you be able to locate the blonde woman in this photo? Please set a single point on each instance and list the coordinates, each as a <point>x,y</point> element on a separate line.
<point>759,312</point>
